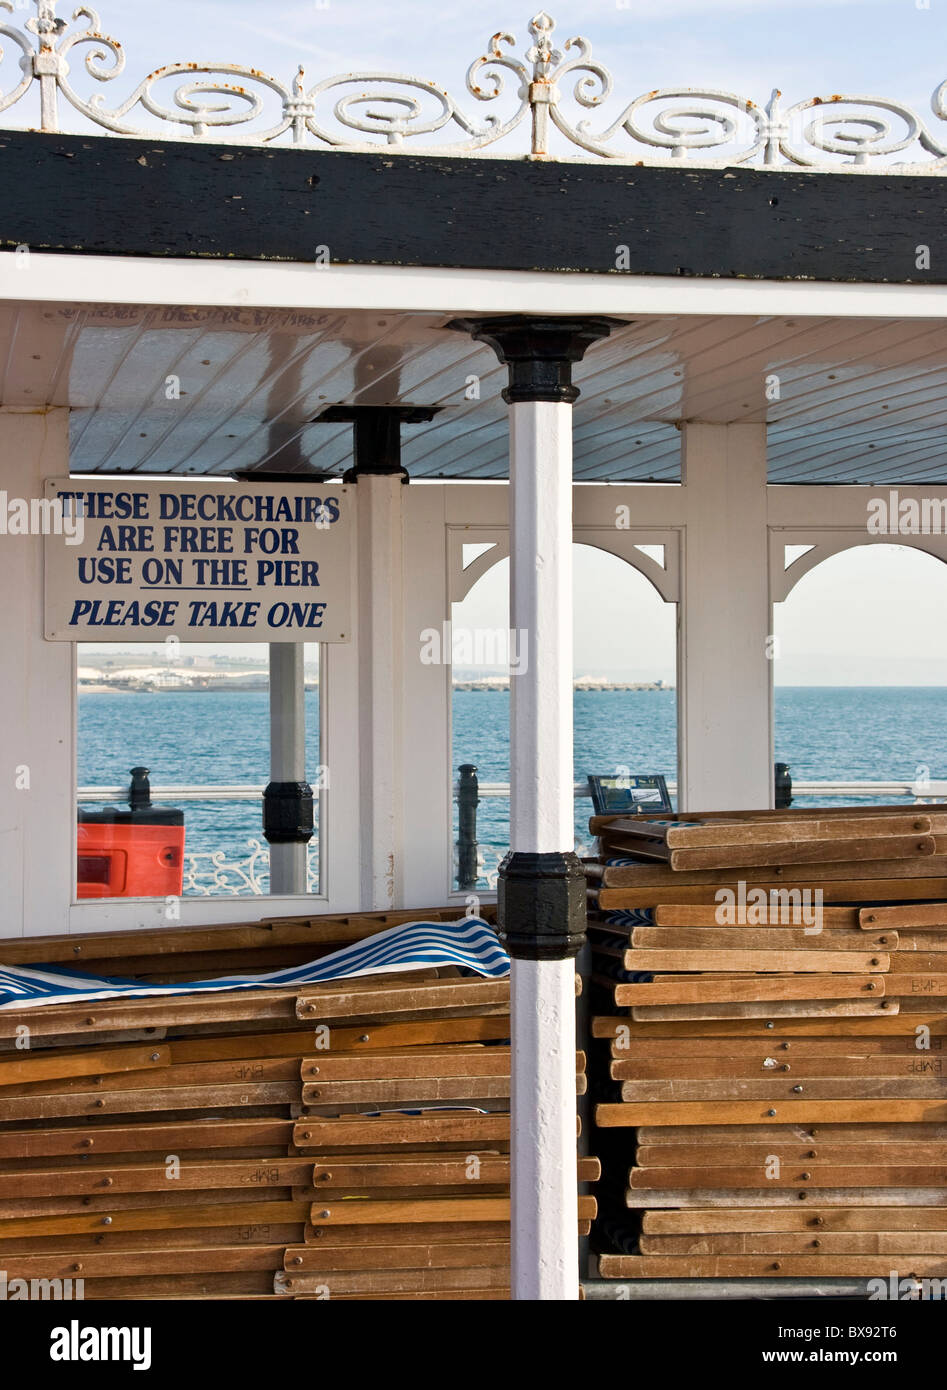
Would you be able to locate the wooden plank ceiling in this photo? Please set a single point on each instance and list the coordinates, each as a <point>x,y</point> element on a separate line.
<point>859,401</point>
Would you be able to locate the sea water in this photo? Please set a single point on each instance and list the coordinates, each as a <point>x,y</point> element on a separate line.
<point>825,733</point>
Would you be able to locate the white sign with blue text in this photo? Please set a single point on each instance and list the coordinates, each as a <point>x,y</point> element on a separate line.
<point>203,562</point>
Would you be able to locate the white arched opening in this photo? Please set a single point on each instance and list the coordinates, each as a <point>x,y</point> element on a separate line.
<point>625,637</point>
<point>860,667</point>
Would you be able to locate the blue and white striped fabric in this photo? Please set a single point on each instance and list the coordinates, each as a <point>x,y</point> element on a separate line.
<point>470,943</point>
<point>630,917</point>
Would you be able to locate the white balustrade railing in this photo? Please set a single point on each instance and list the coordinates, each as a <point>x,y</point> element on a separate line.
<point>917,791</point>
<point>209,873</point>
<point>363,111</point>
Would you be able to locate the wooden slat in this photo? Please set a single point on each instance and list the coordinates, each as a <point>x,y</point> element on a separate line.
<point>761,1266</point>
<point>80,948</point>
<point>810,1219</point>
<point>809,1175</point>
<point>779,831</point>
<point>116,1263</point>
<point>899,982</point>
<point>880,1025</point>
<point>141,1101</point>
<point>255,1069</point>
<point>770,1049</point>
<point>166,1217</point>
<point>419,1232</point>
<point>458,1254</point>
<point>196,1237</point>
<point>105,1015</point>
<point>384,1282</point>
<point>143,1177</point>
<point>770,1196</point>
<point>768,1009</point>
<point>599,823</point>
<point>762,939</point>
<point>353,1131</point>
<point>471,1208</point>
<point>635,888</point>
<point>781,1087</point>
<point>709,915</point>
<point>391,1066</point>
<point>807,852</point>
<point>707,958</point>
<point>684,989</point>
<point>801,1069</point>
<point>170,1138</point>
<point>916,916</point>
<point>356,998</point>
<point>363,1038</point>
<point>628,1115</point>
<point>797,1243</point>
<point>714,1135</point>
<point>789,1152</point>
<point>930,941</point>
<point>406,1091</point>
<point>87,1062</point>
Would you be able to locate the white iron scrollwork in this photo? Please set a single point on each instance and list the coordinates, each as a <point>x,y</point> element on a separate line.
<point>232,103</point>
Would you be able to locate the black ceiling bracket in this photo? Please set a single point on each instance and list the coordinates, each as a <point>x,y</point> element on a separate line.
<point>377,435</point>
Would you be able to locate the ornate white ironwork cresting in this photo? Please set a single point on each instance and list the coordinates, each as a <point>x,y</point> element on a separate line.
<point>367,110</point>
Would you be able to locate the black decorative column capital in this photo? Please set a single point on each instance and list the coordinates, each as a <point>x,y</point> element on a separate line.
<point>288,813</point>
<point>541,905</point>
<point>377,444</point>
<point>538,350</point>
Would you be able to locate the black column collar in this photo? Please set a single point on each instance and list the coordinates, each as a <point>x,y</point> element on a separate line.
<point>377,447</point>
<point>539,351</point>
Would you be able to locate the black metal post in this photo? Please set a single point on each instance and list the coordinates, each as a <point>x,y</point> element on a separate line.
<point>468,800</point>
<point>783,786</point>
<point>139,793</point>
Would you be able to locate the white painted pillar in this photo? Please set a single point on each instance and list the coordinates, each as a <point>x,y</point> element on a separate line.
<point>541,889</point>
<point>380,566</point>
<point>544,1190</point>
<point>37,700</point>
<point>288,862</point>
<point>725,700</point>
<point>427,796</point>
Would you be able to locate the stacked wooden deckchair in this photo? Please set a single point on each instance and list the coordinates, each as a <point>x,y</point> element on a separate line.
<point>773,1076</point>
<point>339,1140</point>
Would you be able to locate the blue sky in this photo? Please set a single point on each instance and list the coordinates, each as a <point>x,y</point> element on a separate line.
<point>891,47</point>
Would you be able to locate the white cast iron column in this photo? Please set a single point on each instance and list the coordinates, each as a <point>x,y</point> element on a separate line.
<point>725,666</point>
<point>380,687</point>
<point>541,893</point>
<point>289,858</point>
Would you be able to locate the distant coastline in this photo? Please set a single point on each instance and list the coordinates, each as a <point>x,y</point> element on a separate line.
<point>147,683</point>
